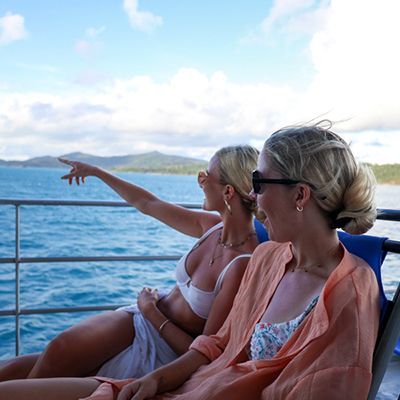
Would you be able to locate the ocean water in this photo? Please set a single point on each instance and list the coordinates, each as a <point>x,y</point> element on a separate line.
<point>55,231</point>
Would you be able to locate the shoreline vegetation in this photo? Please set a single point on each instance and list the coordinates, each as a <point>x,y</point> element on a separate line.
<point>387,173</point>
<point>159,163</point>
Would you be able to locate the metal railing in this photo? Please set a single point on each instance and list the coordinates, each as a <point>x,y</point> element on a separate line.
<point>18,260</point>
<point>383,214</point>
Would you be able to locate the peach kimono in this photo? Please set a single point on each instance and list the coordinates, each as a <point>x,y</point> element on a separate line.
<point>329,356</point>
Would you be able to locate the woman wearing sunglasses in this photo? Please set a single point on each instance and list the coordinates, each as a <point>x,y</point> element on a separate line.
<point>304,321</point>
<point>135,340</point>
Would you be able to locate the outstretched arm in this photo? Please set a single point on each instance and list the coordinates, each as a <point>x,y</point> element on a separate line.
<point>189,222</point>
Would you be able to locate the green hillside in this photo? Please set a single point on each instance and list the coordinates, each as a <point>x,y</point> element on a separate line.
<point>178,169</point>
<point>387,173</point>
<point>154,162</point>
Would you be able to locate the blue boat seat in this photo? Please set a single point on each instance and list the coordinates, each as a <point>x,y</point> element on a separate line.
<point>397,348</point>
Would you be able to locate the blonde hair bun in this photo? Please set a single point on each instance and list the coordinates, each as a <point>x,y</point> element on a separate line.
<point>341,187</point>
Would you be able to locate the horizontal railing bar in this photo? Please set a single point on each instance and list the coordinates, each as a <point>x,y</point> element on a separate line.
<point>391,245</point>
<point>30,311</point>
<point>7,260</point>
<point>388,215</point>
<point>383,213</point>
<point>35,260</point>
<point>94,203</point>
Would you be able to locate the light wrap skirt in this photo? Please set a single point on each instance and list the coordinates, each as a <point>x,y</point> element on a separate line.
<point>147,352</point>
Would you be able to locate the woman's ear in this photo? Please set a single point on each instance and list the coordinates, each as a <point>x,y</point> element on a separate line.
<point>229,191</point>
<point>303,194</point>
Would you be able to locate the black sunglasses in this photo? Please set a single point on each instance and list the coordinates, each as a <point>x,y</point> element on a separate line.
<point>258,180</point>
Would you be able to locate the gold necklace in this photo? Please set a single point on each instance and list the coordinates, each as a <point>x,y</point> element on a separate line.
<point>225,245</point>
<point>230,245</point>
<point>214,257</point>
<point>305,269</point>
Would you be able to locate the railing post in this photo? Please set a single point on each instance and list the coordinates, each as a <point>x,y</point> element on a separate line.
<point>17,279</point>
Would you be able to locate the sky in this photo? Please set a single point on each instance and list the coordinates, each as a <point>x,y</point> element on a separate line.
<point>187,77</point>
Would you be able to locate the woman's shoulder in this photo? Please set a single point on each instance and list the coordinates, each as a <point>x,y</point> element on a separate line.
<point>270,248</point>
<point>358,264</point>
<point>362,272</point>
<point>356,272</point>
<point>268,256</point>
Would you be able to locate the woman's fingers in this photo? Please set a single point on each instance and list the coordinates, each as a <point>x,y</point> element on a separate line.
<point>65,161</point>
<point>128,391</point>
<point>141,394</point>
<point>71,177</point>
<point>75,173</point>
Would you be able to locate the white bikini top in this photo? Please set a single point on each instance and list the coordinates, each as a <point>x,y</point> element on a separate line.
<point>200,301</point>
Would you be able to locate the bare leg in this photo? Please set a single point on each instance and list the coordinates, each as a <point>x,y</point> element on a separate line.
<point>83,348</point>
<point>18,367</point>
<point>48,389</point>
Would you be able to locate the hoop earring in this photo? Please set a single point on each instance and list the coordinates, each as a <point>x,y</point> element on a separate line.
<point>299,208</point>
<point>228,206</point>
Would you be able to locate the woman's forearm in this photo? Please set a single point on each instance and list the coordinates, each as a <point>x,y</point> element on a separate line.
<point>178,372</point>
<point>132,194</point>
<point>177,338</point>
<point>166,378</point>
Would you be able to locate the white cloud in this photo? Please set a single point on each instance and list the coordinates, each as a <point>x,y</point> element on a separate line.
<point>4,85</point>
<point>357,65</point>
<point>356,81</point>
<point>91,77</point>
<point>141,20</point>
<point>12,28</point>
<point>281,9</point>
<point>192,112</point>
<point>378,146</point>
<point>83,47</point>
<point>90,44</point>
<point>356,62</point>
<point>95,32</point>
<point>290,19</point>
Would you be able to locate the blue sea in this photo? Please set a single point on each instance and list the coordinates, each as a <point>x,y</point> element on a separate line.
<point>55,231</point>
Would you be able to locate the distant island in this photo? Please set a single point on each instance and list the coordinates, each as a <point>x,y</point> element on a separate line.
<point>156,162</point>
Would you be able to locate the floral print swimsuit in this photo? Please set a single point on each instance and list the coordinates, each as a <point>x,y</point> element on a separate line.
<point>267,338</point>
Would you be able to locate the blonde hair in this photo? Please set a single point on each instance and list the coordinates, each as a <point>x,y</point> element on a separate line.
<point>343,188</point>
<point>236,164</point>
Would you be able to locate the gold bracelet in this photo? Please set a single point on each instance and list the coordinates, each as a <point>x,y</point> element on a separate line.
<point>162,325</point>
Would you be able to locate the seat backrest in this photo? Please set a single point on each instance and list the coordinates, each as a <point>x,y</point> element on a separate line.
<point>397,348</point>
<point>261,232</point>
<point>370,249</point>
